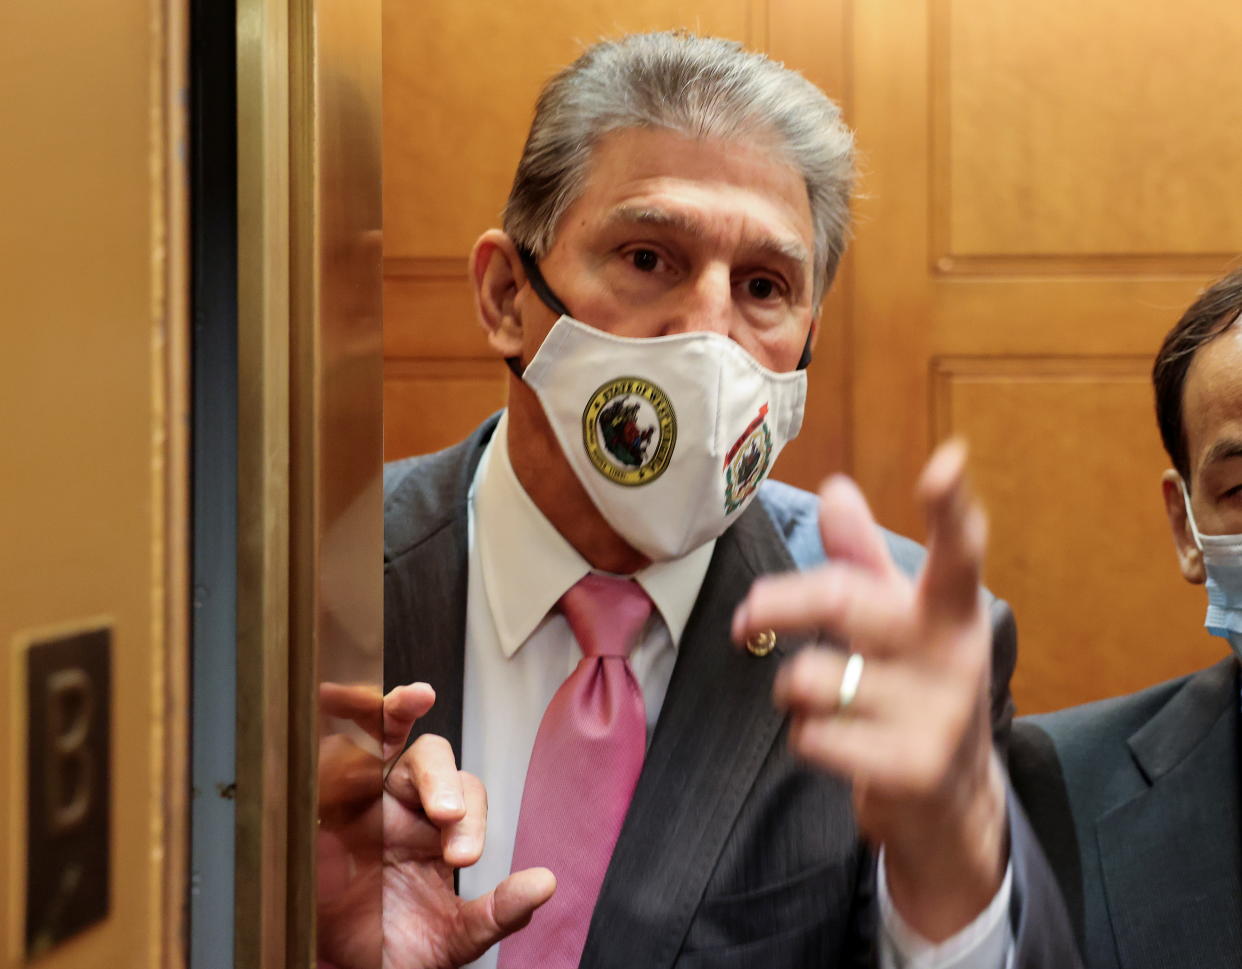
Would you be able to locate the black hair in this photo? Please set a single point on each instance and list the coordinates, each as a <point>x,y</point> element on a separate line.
<point>1207,318</point>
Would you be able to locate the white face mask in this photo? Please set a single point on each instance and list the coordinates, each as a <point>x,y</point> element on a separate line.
<point>1222,560</point>
<point>670,436</point>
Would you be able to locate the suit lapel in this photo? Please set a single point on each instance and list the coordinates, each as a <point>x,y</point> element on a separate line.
<point>425,581</point>
<point>1171,855</point>
<point>438,598</point>
<point>714,732</point>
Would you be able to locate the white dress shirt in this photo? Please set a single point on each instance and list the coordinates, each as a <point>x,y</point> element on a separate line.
<point>519,651</point>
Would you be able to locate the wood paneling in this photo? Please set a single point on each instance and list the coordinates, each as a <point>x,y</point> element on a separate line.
<point>460,82</point>
<point>429,405</point>
<point>1059,315</point>
<point>1086,129</point>
<point>814,39</point>
<point>1043,183</point>
<point>429,310</point>
<point>1067,459</point>
<point>891,293</point>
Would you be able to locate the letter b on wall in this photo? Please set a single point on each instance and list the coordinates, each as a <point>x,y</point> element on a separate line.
<point>68,692</point>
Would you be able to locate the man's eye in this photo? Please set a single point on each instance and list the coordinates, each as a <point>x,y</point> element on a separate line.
<point>760,287</point>
<point>646,260</point>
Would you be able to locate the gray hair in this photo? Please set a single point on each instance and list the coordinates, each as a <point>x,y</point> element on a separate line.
<point>703,87</point>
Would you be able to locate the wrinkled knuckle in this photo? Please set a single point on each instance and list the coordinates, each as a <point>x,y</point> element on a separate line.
<point>400,775</point>
<point>426,775</point>
<point>807,678</point>
<point>831,601</point>
<point>427,745</point>
<point>424,778</point>
<point>793,672</point>
<point>801,673</point>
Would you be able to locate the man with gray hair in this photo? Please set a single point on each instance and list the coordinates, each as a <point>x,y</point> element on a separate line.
<point>610,600</point>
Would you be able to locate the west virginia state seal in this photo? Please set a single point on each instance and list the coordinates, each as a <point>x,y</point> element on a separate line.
<point>747,461</point>
<point>629,430</point>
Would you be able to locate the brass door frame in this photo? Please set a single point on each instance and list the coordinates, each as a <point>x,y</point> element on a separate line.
<point>263,242</point>
<point>309,433</point>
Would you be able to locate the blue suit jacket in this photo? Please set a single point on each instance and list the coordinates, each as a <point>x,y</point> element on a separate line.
<point>732,854</point>
<point>1137,802</point>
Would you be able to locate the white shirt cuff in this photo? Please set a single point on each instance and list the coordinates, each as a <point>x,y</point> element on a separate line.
<point>986,943</point>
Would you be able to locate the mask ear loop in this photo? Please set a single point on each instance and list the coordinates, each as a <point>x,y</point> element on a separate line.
<point>539,284</point>
<point>1190,515</point>
<point>545,294</point>
<point>804,361</point>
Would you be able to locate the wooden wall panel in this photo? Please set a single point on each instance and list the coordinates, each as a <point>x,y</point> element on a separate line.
<point>430,406</point>
<point>1058,315</point>
<point>891,296</point>
<point>1068,462</point>
<point>1082,129</point>
<point>460,81</point>
<point>812,37</point>
<point>1043,183</point>
<point>429,310</point>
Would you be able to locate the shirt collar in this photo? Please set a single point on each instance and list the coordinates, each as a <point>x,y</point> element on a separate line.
<point>528,565</point>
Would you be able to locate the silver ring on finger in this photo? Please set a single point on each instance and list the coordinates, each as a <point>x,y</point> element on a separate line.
<point>850,678</point>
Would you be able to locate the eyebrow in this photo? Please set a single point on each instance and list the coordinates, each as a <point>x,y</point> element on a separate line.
<point>787,250</point>
<point>1223,450</point>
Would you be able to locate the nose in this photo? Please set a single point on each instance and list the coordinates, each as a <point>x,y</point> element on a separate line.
<point>702,304</point>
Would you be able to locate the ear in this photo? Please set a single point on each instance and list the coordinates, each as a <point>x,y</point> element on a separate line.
<point>496,272</point>
<point>1189,558</point>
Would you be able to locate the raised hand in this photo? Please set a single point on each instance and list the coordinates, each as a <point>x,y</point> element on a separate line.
<point>433,818</point>
<point>915,740</point>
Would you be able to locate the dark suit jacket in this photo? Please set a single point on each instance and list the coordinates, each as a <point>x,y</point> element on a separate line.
<point>732,854</point>
<point>1136,801</point>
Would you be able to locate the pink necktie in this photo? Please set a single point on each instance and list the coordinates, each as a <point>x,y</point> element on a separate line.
<point>583,768</point>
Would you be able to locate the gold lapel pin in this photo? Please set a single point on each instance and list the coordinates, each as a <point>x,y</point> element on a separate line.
<point>761,644</point>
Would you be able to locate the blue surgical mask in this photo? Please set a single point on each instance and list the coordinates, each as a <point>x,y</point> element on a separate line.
<point>1222,560</point>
